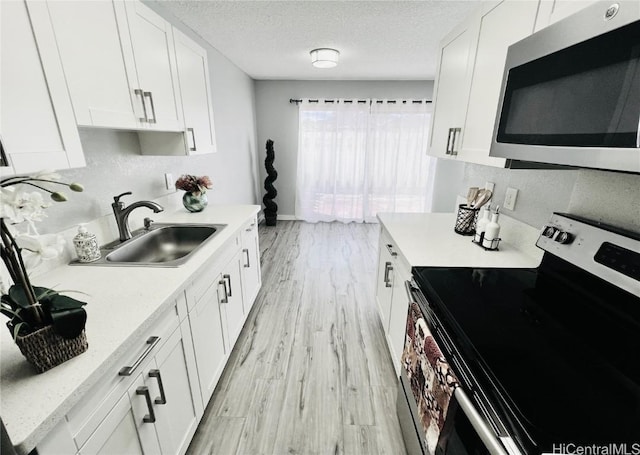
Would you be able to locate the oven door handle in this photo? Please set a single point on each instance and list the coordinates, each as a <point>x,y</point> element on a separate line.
<point>410,288</point>
<point>484,432</point>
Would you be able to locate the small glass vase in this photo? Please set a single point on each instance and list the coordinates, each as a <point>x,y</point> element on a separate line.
<point>194,202</point>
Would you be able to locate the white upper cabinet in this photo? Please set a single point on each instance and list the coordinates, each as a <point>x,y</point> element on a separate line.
<point>100,82</point>
<point>195,90</point>
<point>501,24</point>
<point>451,90</point>
<point>119,64</point>
<point>152,40</point>
<point>469,79</point>
<point>33,95</point>
<point>552,11</point>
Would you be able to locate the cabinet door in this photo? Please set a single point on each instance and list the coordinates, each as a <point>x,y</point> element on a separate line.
<point>33,94</point>
<point>208,342</point>
<point>398,313</point>
<point>172,382</point>
<point>230,296</point>
<point>251,273</point>
<point>384,282</point>
<point>501,24</point>
<point>152,41</point>
<point>124,430</point>
<point>552,11</point>
<point>195,91</point>
<point>451,90</point>
<point>100,80</point>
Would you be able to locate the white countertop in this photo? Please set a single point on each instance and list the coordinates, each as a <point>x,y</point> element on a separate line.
<point>121,302</point>
<point>428,239</point>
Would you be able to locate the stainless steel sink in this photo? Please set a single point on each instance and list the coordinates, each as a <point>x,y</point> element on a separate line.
<point>163,245</point>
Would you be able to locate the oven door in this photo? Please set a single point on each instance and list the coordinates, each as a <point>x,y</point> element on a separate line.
<point>436,414</point>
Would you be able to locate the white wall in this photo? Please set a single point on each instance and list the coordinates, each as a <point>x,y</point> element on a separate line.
<point>609,197</point>
<point>277,119</point>
<point>114,163</point>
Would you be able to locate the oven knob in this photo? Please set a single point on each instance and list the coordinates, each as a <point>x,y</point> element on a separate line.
<point>549,231</point>
<point>564,237</point>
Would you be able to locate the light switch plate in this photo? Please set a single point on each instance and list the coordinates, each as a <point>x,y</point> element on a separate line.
<point>510,199</point>
<point>168,181</point>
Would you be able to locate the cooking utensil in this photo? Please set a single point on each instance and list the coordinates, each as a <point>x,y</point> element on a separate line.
<point>471,195</point>
<point>482,199</point>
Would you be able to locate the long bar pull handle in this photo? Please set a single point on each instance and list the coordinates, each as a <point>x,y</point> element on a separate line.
<point>449,148</point>
<point>248,264</point>
<point>163,398</point>
<point>153,109</point>
<point>151,417</point>
<point>126,371</point>
<point>227,279</point>
<point>193,147</point>
<point>390,249</point>
<point>387,268</point>
<point>140,93</point>
<point>226,296</point>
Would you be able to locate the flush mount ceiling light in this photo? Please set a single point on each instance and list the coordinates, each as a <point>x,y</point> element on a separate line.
<point>324,57</point>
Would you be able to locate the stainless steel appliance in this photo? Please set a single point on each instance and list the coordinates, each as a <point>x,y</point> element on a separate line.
<point>571,92</point>
<point>544,360</point>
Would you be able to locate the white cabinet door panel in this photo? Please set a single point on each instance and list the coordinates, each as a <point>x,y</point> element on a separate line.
<point>501,26</point>
<point>33,94</point>
<point>90,47</point>
<point>152,40</point>
<point>195,90</point>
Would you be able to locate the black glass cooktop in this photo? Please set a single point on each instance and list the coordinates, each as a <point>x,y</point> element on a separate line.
<point>562,346</point>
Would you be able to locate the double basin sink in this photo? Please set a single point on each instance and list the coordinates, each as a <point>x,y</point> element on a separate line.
<point>162,245</point>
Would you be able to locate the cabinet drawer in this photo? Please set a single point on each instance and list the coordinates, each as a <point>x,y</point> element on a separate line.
<point>87,415</point>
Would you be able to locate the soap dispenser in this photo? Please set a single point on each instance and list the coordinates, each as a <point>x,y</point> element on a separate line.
<point>86,245</point>
<point>492,231</point>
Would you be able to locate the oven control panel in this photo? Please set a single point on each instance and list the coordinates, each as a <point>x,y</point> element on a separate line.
<point>605,251</point>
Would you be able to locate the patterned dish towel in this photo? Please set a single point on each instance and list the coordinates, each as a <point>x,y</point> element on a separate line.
<point>432,380</point>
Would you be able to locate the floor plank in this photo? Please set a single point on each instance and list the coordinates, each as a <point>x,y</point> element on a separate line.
<point>310,372</point>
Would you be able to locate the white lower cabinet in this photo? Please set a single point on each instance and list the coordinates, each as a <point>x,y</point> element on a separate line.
<point>208,342</point>
<point>251,269</point>
<point>391,297</point>
<point>152,401</point>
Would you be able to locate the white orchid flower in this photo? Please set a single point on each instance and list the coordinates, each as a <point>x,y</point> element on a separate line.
<point>17,206</point>
<point>36,248</point>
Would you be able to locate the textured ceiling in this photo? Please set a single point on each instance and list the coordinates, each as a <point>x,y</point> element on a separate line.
<point>377,40</point>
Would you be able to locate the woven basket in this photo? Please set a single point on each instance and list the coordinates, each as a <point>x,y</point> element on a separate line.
<point>46,349</point>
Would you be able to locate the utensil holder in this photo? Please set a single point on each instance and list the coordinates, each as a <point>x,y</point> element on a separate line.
<point>466,220</point>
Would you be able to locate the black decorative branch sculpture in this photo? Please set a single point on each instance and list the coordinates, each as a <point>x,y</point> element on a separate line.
<point>270,207</point>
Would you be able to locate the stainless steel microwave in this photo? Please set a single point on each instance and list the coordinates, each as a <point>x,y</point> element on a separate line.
<point>571,92</point>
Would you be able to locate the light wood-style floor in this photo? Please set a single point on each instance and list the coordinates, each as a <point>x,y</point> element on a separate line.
<point>310,373</point>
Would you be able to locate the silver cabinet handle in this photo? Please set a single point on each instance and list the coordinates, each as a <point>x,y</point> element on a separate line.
<point>153,109</point>
<point>227,279</point>
<point>248,264</point>
<point>193,139</point>
<point>390,249</point>
<point>387,268</point>
<point>226,296</point>
<point>126,371</point>
<point>140,93</point>
<point>163,398</point>
<point>151,417</point>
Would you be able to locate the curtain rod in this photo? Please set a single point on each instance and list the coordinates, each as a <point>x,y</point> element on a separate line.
<point>296,101</point>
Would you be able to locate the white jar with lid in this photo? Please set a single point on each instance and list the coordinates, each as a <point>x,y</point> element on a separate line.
<point>86,245</point>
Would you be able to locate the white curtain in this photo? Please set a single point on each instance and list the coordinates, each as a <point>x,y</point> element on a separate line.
<point>358,159</point>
